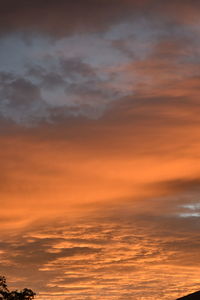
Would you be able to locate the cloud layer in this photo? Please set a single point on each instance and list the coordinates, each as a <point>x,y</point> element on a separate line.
<point>118,257</point>
<point>83,73</point>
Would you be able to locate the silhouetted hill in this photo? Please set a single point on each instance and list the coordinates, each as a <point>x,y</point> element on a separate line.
<point>193,296</point>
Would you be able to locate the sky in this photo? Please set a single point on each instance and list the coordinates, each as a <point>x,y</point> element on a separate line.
<point>99,148</point>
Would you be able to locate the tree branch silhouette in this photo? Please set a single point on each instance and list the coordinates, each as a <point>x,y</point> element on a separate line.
<point>5,294</point>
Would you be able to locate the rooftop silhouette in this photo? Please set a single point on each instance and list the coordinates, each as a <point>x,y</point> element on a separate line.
<point>193,296</point>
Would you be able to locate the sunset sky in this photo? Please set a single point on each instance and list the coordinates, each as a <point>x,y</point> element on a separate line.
<point>100,148</point>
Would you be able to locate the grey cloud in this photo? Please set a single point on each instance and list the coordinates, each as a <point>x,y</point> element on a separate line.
<point>6,77</point>
<point>84,74</point>
<point>75,66</point>
<point>21,92</point>
<point>42,94</point>
<point>21,101</point>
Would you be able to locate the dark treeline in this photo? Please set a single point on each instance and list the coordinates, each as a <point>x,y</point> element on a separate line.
<point>5,294</point>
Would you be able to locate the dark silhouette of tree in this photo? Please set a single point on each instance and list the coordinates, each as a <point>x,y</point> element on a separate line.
<point>5,294</point>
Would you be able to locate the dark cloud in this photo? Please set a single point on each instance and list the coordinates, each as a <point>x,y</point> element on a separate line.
<point>63,17</point>
<point>74,66</point>
<point>21,101</point>
<point>181,185</point>
<point>21,92</point>
<point>41,94</point>
<point>71,280</point>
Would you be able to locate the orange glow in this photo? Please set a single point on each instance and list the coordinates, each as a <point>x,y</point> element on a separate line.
<point>99,148</point>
